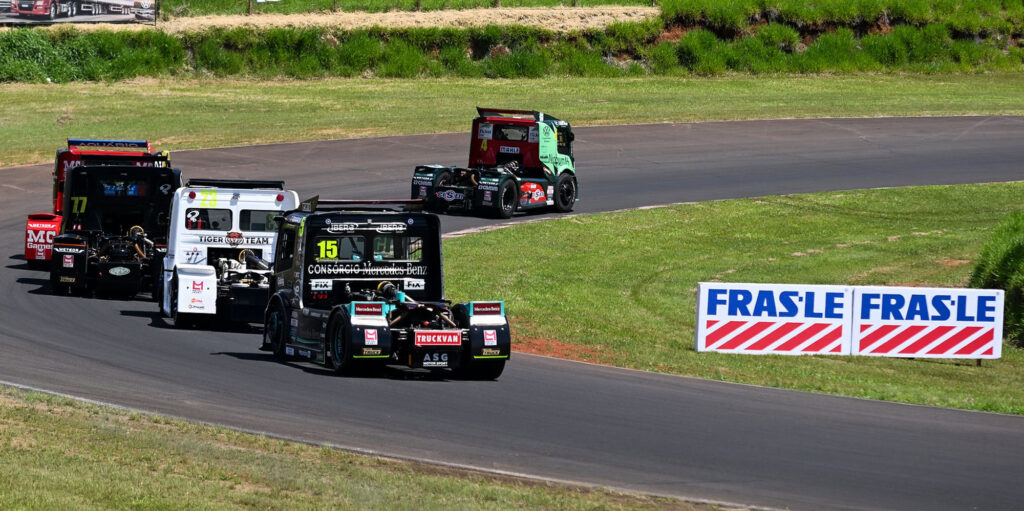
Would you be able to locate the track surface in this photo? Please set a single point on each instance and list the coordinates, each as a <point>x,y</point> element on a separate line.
<point>545,417</point>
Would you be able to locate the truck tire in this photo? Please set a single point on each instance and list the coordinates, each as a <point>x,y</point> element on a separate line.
<point>508,197</point>
<point>565,192</point>
<point>340,353</point>
<point>73,10</point>
<point>53,11</point>
<point>274,330</point>
<point>179,320</point>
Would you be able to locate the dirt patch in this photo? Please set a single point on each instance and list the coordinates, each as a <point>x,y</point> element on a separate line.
<point>551,347</point>
<point>560,19</point>
<point>953,262</point>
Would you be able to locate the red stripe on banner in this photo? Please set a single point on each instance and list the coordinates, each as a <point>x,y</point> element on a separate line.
<point>865,327</point>
<point>976,344</point>
<point>926,339</point>
<point>773,336</point>
<point>989,351</point>
<point>899,338</point>
<point>711,323</point>
<point>802,337</point>
<point>838,348</point>
<point>824,342</point>
<point>746,335</point>
<point>870,339</point>
<point>957,338</point>
<point>723,331</point>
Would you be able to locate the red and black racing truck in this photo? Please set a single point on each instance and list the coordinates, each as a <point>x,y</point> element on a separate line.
<point>42,227</point>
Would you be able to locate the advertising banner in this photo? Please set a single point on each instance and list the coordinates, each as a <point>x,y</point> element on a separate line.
<point>783,319</point>
<point>47,12</point>
<point>928,322</point>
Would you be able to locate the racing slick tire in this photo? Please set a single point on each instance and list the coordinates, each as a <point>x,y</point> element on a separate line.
<point>180,320</point>
<point>274,330</point>
<point>443,178</point>
<point>508,197</point>
<point>339,356</point>
<point>565,193</point>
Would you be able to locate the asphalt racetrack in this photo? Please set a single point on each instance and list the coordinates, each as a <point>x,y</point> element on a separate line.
<point>549,418</point>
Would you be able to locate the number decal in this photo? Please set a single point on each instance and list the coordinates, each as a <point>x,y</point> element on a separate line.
<point>328,249</point>
<point>207,198</point>
<point>165,189</point>
<point>78,205</point>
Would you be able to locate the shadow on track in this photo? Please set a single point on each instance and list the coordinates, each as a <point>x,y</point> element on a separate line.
<point>383,372</point>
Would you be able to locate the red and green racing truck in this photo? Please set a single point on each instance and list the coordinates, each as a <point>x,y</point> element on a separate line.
<point>518,160</point>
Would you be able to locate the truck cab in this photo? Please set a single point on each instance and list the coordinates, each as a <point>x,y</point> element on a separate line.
<point>359,284</point>
<point>114,228</point>
<point>222,238</point>
<point>40,228</point>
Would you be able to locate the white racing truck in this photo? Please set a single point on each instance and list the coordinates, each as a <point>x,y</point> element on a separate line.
<point>222,236</point>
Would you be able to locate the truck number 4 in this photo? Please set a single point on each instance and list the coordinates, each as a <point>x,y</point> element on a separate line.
<point>78,205</point>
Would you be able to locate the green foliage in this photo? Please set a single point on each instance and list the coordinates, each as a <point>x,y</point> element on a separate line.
<point>780,36</point>
<point>663,58</point>
<point>1001,266</point>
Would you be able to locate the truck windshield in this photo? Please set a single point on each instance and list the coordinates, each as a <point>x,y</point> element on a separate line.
<point>512,133</point>
<point>258,220</point>
<point>338,248</point>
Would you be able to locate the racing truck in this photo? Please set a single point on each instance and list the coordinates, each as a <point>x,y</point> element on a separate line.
<point>114,230</point>
<point>219,247</point>
<point>518,160</point>
<point>42,227</point>
<point>358,285</point>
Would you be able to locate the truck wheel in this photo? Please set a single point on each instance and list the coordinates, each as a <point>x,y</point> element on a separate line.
<point>444,178</point>
<point>180,320</point>
<point>565,193</point>
<point>340,354</point>
<point>508,196</point>
<point>274,331</point>
<point>53,11</point>
<point>481,370</point>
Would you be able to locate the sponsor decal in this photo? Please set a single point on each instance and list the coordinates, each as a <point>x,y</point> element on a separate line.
<point>486,307</point>
<point>485,131</point>
<point>289,351</point>
<point>246,240</point>
<point>371,351</point>
<point>119,271</point>
<point>67,280</point>
<point>551,190</point>
<point>69,261</point>
<point>368,309</point>
<point>197,287</point>
<point>39,239</point>
<point>491,188</point>
<point>534,193</point>
<point>423,191</point>
<point>321,284</point>
<point>415,284</point>
<point>294,322</point>
<point>490,338</point>
<point>305,353</point>
<point>68,250</point>
<point>532,137</point>
<point>194,256</point>
<point>196,303</point>
<point>370,337</point>
<point>234,238</point>
<point>422,182</point>
<point>487,196</point>
<point>384,227</point>
<point>367,269</point>
<point>435,360</point>
<point>438,338</point>
<point>508,149</point>
<point>449,195</point>
<point>490,352</point>
<point>40,254</point>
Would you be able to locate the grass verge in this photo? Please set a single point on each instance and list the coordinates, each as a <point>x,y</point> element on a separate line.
<point>627,295</point>
<point>35,119</point>
<point>63,454</point>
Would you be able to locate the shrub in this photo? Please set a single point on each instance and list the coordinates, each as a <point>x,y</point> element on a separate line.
<point>780,36</point>
<point>1001,266</point>
<point>401,60</point>
<point>663,59</point>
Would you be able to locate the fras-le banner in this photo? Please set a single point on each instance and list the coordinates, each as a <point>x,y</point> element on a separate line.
<point>928,322</point>
<point>785,319</point>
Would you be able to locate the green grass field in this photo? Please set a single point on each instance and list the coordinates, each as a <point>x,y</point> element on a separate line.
<point>63,454</point>
<point>35,119</point>
<point>620,288</point>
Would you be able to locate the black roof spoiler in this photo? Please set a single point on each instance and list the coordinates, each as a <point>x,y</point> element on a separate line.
<point>315,204</point>
<point>507,112</point>
<point>249,184</point>
<point>161,159</point>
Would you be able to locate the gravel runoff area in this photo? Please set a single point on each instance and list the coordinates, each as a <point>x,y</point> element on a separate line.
<point>554,18</point>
